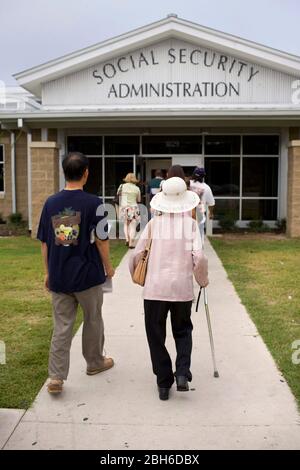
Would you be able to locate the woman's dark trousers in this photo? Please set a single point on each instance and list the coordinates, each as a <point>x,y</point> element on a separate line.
<point>156,312</point>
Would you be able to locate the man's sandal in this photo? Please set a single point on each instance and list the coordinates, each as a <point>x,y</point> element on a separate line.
<point>55,386</point>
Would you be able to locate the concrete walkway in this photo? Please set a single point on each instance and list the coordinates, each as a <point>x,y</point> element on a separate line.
<point>249,407</point>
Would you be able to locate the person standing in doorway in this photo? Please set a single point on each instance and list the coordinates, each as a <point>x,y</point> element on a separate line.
<point>207,201</point>
<point>129,196</point>
<point>155,184</point>
<point>175,254</point>
<point>75,268</point>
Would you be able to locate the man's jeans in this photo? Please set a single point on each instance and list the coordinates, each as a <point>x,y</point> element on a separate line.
<point>64,315</point>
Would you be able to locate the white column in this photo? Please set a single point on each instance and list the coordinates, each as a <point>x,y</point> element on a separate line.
<point>283,174</point>
<point>13,171</point>
<point>44,134</point>
<point>29,138</point>
<point>62,151</point>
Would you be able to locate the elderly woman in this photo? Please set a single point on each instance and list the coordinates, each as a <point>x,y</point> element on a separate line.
<point>175,255</point>
<point>129,196</point>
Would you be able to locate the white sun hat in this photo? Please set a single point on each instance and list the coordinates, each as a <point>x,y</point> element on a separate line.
<point>174,197</point>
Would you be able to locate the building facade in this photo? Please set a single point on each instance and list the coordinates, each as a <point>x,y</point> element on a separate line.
<point>172,92</point>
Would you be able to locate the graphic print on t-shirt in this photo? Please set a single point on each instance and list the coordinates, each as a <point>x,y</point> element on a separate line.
<point>66,227</point>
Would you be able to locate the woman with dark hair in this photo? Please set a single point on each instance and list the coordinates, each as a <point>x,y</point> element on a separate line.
<point>176,170</point>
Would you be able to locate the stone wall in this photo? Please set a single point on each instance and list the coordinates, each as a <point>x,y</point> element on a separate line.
<point>293,212</point>
<point>44,177</point>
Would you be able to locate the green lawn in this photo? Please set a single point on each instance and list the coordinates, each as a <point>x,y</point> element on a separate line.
<point>266,274</point>
<point>26,319</point>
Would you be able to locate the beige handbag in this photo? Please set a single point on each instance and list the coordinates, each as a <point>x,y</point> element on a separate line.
<point>139,275</point>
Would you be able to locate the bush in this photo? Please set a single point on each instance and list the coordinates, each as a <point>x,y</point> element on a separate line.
<point>15,218</point>
<point>281,225</point>
<point>2,221</point>
<point>227,223</point>
<point>257,226</point>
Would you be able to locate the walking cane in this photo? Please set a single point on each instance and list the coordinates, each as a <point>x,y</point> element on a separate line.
<point>211,339</point>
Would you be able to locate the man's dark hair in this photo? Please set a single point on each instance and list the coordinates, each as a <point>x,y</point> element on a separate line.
<point>74,166</point>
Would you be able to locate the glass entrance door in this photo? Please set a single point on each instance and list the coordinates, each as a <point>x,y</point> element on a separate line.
<point>116,168</point>
<point>153,164</point>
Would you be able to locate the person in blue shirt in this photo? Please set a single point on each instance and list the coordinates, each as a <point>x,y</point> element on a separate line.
<point>155,184</point>
<point>75,248</point>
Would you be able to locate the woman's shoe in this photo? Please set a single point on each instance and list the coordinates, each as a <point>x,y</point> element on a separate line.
<point>163,393</point>
<point>182,383</point>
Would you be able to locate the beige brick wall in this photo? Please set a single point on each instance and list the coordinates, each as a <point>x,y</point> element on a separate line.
<point>52,135</point>
<point>36,135</point>
<point>44,177</point>
<point>294,133</point>
<point>6,198</point>
<point>293,213</point>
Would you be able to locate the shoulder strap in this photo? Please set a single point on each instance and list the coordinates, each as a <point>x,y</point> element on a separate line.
<point>149,241</point>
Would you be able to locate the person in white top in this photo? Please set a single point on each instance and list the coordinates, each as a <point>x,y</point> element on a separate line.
<point>205,194</point>
<point>129,196</point>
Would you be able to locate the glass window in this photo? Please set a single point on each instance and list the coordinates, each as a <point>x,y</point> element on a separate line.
<point>173,144</point>
<point>227,207</point>
<point>223,175</point>
<point>86,144</point>
<point>188,170</point>
<point>222,145</point>
<point>260,144</point>
<point>259,209</point>
<point>260,176</point>
<point>1,168</point>
<point>94,182</point>
<point>115,170</point>
<point>122,145</point>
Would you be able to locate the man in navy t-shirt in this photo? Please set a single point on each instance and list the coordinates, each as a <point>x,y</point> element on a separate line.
<point>75,248</point>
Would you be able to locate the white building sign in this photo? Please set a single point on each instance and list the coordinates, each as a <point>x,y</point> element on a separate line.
<point>172,71</point>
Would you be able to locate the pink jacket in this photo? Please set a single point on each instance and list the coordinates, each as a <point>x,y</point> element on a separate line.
<point>175,255</point>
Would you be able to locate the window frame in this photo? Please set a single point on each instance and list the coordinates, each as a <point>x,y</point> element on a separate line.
<point>203,136</point>
<point>171,134</point>
<point>241,156</point>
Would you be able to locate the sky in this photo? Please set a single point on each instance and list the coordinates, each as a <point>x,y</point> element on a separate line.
<point>35,31</point>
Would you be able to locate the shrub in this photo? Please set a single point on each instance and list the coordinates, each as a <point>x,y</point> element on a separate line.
<point>227,222</point>
<point>257,226</point>
<point>281,225</point>
<point>2,221</point>
<point>15,218</point>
